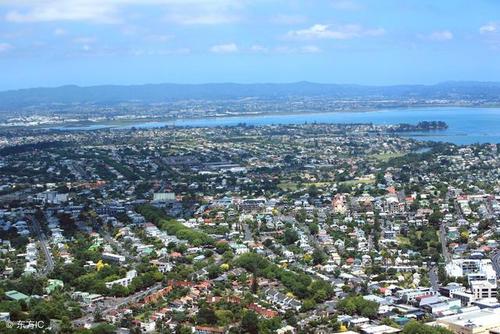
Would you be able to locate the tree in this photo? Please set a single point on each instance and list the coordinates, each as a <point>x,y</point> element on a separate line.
<point>319,257</point>
<point>65,326</point>
<point>347,306</point>
<point>314,228</point>
<point>301,216</point>
<point>104,329</point>
<point>213,271</point>
<point>415,327</point>
<point>290,318</point>
<point>369,310</point>
<point>290,236</point>
<point>313,190</point>
<point>250,322</point>
<point>464,236</point>
<point>180,329</point>
<point>119,290</point>
<point>225,317</point>
<point>358,305</point>
<point>435,217</point>
<point>389,322</point>
<point>31,285</point>
<point>308,304</point>
<point>442,274</point>
<point>255,284</point>
<point>268,326</point>
<point>161,327</point>
<point>206,316</point>
<point>321,290</point>
<point>98,314</point>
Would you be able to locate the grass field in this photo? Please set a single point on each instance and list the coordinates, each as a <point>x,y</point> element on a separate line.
<point>293,186</point>
<point>403,240</point>
<point>386,156</point>
<point>355,182</point>
<point>288,186</point>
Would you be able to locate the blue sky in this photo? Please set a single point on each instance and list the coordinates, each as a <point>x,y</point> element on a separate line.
<point>89,42</point>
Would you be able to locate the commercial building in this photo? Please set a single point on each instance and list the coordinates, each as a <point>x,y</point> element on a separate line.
<point>475,322</point>
<point>113,257</point>
<point>123,281</point>
<point>483,289</point>
<point>164,197</point>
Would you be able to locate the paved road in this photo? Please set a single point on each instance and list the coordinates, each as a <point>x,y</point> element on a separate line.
<point>458,210</point>
<point>370,242</point>
<point>444,247</point>
<point>115,303</point>
<point>120,248</point>
<point>248,232</point>
<point>433,278</point>
<point>42,238</point>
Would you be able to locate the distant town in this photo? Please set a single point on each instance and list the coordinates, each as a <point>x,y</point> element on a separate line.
<point>310,228</point>
<point>122,105</point>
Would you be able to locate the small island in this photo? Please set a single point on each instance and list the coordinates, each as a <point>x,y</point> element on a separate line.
<point>421,126</point>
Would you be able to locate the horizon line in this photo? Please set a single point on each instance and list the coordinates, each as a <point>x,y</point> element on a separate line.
<point>246,84</point>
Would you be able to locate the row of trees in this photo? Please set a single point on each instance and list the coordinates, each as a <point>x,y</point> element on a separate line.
<point>415,327</point>
<point>195,237</point>
<point>58,306</point>
<point>300,284</point>
<point>358,305</point>
<point>249,321</point>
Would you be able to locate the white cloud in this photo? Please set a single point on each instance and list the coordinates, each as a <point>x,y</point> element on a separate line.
<point>203,12</point>
<point>294,50</point>
<point>437,36</point>
<point>84,40</point>
<point>109,11</point>
<point>490,33</point>
<point>60,32</point>
<point>4,47</point>
<point>161,52</point>
<point>324,31</point>
<point>257,48</point>
<point>203,19</point>
<point>489,28</point>
<point>155,38</point>
<point>309,49</point>
<point>68,10</point>
<point>224,48</point>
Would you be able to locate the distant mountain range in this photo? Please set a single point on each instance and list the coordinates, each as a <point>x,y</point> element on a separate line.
<point>157,93</point>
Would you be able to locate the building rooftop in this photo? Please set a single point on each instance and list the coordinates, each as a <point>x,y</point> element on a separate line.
<point>482,318</point>
<point>381,329</point>
<point>16,295</point>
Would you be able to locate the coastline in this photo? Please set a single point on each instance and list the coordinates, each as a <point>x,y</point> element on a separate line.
<point>118,123</point>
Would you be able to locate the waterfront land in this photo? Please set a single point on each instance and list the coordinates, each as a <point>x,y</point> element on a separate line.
<point>123,105</point>
<point>302,228</point>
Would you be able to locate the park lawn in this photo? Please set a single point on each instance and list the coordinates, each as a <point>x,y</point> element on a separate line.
<point>403,240</point>
<point>293,186</point>
<point>355,182</point>
<point>318,184</point>
<point>386,156</point>
<point>288,186</point>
